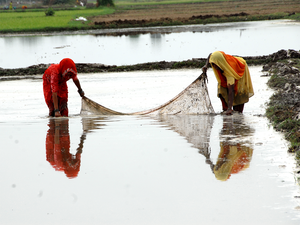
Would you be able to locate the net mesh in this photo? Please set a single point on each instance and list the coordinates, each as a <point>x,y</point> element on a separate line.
<point>192,100</point>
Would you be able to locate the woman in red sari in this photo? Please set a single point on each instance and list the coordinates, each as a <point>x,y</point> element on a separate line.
<point>55,86</point>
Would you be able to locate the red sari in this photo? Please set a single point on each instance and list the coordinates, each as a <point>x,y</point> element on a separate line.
<point>55,80</point>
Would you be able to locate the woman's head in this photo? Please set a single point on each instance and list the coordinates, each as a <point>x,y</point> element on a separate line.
<point>68,67</point>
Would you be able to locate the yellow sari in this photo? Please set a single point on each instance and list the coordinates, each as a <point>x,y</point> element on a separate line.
<point>235,71</point>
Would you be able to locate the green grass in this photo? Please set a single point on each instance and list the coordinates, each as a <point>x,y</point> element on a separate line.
<point>281,117</point>
<point>35,20</point>
<point>280,112</point>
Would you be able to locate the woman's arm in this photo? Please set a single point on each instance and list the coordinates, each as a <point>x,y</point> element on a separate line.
<point>230,99</point>
<point>80,91</point>
<point>205,67</point>
<point>55,103</point>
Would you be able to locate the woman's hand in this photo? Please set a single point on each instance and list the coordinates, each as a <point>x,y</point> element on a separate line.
<point>204,69</point>
<point>230,99</point>
<point>81,92</point>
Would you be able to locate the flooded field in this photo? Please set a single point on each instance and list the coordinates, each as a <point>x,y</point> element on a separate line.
<point>140,45</point>
<point>139,169</point>
<point>116,170</point>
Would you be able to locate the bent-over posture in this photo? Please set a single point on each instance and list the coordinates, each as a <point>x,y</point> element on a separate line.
<point>55,86</point>
<point>234,81</point>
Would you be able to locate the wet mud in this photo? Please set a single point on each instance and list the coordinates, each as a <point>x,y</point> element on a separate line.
<point>21,73</point>
<point>284,105</point>
<point>195,13</point>
<point>164,20</point>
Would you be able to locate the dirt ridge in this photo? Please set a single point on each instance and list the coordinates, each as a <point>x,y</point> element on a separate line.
<point>20,73</point>
<point>191,13</point>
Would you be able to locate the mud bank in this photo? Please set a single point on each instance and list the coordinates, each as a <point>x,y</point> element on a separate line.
<point>196,13</point>
<point>163,21</point>
<point>21,73</point>
<point>284,106</point>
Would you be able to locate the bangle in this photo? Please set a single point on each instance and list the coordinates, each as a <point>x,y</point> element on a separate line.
<point>56,110</point>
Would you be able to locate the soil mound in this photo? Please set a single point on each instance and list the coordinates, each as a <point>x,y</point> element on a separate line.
<point>39,69</point>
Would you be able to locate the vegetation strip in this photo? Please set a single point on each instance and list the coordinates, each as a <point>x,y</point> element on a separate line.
<point>99,68</point>
<point>284,105</point>
<point>283,108</point>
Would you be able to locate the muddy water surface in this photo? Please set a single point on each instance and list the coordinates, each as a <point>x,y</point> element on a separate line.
<point>141,170</point>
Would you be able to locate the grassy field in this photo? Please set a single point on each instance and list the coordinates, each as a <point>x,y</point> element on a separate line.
<point>37,20</point>
<point>146,13</point>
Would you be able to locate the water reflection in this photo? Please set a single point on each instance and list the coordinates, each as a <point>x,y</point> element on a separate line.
<point>58,151</point>
<point>58,148</point>
<point>235,151</point>
<point>157,39</point>
<point>235,147</point>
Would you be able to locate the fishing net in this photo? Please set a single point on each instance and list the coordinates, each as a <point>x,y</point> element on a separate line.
<point>192,100</point>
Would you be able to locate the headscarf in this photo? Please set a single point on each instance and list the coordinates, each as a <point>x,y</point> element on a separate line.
<point>66,66</point>
<point>231,66</point>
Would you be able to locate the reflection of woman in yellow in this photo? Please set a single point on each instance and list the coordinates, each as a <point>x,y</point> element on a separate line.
<point>234,156</point>
<point>231,160</point>
<point>235,149</point>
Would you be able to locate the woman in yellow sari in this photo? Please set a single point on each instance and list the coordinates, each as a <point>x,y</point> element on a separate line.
<point>234,81</point>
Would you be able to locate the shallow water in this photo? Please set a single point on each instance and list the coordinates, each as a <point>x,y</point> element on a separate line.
<point>163,44</point>
<point>139,169</point>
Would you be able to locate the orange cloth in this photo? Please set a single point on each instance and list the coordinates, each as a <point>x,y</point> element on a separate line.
<point>238,67</point>
<point>231,70</point>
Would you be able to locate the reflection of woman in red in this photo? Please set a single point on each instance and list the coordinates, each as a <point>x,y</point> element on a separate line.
<point>58,148</point>
<point>55,86</point>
